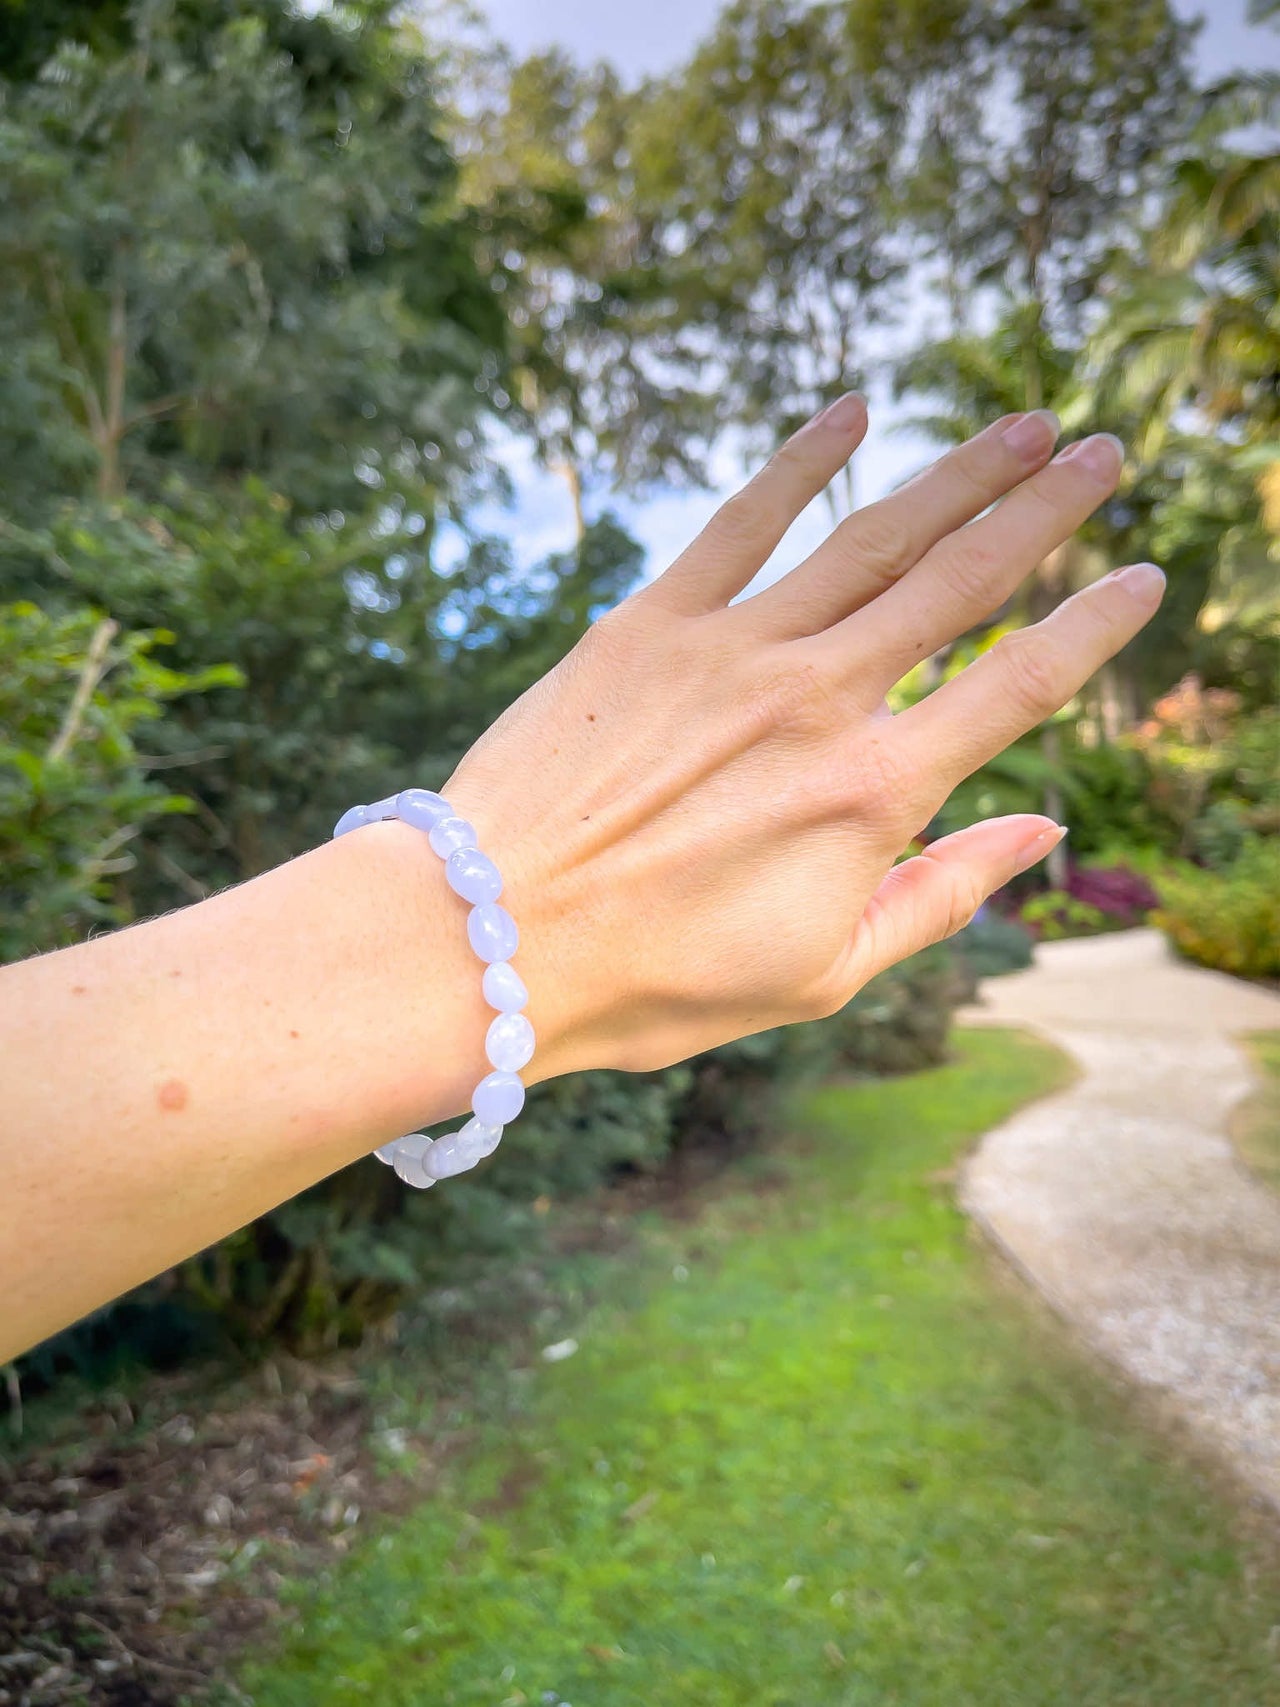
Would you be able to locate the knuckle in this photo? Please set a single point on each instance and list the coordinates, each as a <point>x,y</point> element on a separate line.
<point>793,698</point>
<point>881,788</point>
<point>971,467</point>
<point>791,461</point>
<point>875,543</point>
<point>1047,502</point>
<point>611,637</point>
<point>973,567</point>
<point>743,521</point>
<point>1027,669</point>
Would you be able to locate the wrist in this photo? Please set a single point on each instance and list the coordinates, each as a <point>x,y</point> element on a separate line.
<point>556,958</point>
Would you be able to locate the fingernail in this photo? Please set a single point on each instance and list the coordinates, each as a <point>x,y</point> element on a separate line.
<point>1103,455</point>
<point>844,414</point>
<point>1144,580</point>
<point>1037,848</point>
<point>1033,436</point>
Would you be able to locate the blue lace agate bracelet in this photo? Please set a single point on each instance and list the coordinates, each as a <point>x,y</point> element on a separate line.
<point>418,1160</point>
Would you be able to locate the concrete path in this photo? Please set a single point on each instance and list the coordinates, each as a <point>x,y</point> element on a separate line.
<point>1122,1198</point>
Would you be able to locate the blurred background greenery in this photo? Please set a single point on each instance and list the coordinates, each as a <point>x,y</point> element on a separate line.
<point>288,293</point>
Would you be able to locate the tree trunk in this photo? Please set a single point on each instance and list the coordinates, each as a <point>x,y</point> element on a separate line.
<point>573,477</point>
<point>1110,707</point>
<point>112,428</point>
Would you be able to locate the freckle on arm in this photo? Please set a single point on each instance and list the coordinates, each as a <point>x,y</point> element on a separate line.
<point>172,1096</point>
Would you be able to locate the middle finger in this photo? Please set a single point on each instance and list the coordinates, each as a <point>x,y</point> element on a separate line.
<point>874,547</point>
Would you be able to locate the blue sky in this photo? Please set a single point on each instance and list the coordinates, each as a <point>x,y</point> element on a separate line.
<point>651,38</point>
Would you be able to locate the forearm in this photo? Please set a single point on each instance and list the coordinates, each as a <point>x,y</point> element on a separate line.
<point>167,1084</point>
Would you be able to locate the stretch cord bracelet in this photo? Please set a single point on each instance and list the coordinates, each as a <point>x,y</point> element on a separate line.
<point>418,1160</point>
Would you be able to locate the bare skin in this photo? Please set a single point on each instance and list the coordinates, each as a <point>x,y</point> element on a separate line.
<point>697,815</point>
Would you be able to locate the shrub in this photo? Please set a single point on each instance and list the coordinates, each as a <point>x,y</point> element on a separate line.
<point>1109,800</point>
<point>1122,896</point>
<point>1228,920</point>
<point>75,690</point>
<point>992,944</point>
<point>1055,914</point>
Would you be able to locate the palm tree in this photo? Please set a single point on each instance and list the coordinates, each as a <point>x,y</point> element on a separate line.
<point>1197,323</point>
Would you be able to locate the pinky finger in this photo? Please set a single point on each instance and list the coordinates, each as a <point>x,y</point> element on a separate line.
<point>938,892</point>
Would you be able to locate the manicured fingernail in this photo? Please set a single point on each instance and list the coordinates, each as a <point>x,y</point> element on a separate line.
<point>1103,455</point>
<point>1033,436</point>
<point>1038,847</point>
<point>1144,580</point>
<point>844,414</point>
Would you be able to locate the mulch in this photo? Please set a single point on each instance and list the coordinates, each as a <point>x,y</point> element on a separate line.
<point>134,1562</point>
<point>144,1548</point>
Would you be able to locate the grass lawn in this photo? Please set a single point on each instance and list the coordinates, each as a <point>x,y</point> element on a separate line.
<point>1256,1124</point>
<point>815,1452</point>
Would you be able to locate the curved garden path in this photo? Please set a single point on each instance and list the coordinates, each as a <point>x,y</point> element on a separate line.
<point>1122,1198</point>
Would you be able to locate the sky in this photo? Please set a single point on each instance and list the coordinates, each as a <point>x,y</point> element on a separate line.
<point>653,37</point>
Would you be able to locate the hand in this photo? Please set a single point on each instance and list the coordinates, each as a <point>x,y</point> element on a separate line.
<point>698,811</point>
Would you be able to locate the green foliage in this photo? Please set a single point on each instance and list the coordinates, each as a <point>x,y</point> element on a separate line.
<point>1055,914</point>
<point>75,794</point>
<point>1109,803</point>
<point>1229,920</point>
<point>230,242</point>
<point>992,944</point>
<point>806,1452</point>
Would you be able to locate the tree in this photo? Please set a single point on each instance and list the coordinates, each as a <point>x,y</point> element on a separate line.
<point>769,163</point>
<point>226,240</point>
<point>547,161</point>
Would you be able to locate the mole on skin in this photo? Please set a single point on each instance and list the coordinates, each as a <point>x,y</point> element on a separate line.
<point>172,1095</point>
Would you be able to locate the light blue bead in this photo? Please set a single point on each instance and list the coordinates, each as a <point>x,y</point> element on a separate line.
<point>412,1170</point>
<point>450,1155</point>
<point>450,834</point>
<point>499,1098</point>
<point>460,1150</point>
<point>422,809</point>
<point>387,1152</point>
<point>504,988</point>
<point>509,1043</point>
<point>352,819</point>
<point>492,932</point>
<point>413,1144</point>
<point>380,810</point>
<point>484,1140</point>
<point>473,875</point>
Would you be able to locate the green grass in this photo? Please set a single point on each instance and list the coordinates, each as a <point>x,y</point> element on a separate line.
<point>821,1456</point>
<point>1256,1124</point>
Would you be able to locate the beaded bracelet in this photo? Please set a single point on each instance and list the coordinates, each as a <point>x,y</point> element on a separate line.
<point>418,1160</point>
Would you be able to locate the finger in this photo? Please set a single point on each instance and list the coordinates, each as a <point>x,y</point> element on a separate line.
<point>973,571</point>
<point>739,538</point>
<point>936,894</point>
<point>1025,677</point>
<point>874,547</point>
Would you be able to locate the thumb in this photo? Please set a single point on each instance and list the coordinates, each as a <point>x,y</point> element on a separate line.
<point>936,894</point>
